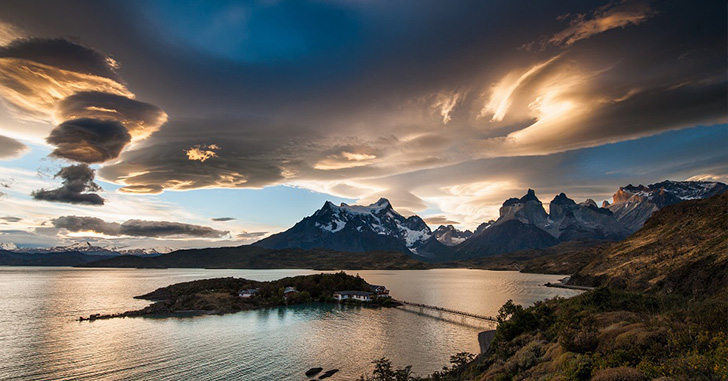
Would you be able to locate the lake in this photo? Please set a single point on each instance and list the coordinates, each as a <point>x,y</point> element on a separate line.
<point>40,337</point>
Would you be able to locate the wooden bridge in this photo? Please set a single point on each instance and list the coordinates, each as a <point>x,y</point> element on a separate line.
<point>448,310</point>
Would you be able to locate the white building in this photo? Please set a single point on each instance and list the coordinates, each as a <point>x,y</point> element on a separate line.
<point>289,291</point>
<point>248,293</point>
<point>361,296</point>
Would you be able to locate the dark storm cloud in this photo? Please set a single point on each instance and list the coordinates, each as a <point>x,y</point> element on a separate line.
<point>76,224</point>
<point>140,228</point>
<point>247,157</point>
<point>222,219</point>
<point>89,140</point>
<point>140,118</point>
<point>136,228</point>
<point>10,148</point>
<point>62,54</point>
<point>78,182</point>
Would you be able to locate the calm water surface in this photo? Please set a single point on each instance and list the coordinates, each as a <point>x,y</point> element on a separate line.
<point>40,340</point>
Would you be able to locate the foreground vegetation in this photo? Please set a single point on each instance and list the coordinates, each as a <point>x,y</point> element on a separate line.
<point>604,334</point>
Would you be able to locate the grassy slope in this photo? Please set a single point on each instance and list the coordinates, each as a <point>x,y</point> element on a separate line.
<point>564,258</point>
<point>681,249</point>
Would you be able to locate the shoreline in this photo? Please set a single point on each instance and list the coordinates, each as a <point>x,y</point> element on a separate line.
<point>562,284</point>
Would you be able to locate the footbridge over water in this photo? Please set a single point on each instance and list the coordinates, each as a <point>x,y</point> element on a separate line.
<point>447,310</point>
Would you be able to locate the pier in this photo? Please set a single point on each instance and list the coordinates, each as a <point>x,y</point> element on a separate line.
<point>448,310</point>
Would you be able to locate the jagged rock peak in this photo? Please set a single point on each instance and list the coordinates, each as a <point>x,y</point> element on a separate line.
<point>561,199</point>
<point>589,203</point>
<point>605,204</point>
<point>530,196</point>
<point>381,205</point>
<point>451,236</point>
<point>483,226</point>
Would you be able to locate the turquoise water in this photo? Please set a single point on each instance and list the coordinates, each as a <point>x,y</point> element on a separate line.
<point>40,339</point>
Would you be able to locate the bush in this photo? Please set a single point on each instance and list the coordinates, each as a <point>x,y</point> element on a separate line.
<point>619,374</point>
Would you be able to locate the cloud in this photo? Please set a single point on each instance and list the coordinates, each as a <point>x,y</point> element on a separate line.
<point>11,148</point>
<point>62,54</point>
<point>89,140</point>
<point>136,228</point>
<point>9,32</point>
<point>78,182</point>
<point>140,228</point>
<point>36,73</point>
<point>250,235</point>
<point>141,119</point>
<point>440,220</point>
<point>445,103</point>
<point>79,89</point>
<point>344,160</point>
<point>11,219</point>
<point>92,224</point>
<point>611,16</point>
<point>222,219</point>
<point>201,152</point>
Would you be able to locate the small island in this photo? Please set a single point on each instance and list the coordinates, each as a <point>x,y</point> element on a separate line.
<point>228,295</point>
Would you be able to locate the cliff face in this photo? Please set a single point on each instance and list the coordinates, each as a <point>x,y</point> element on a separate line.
<point>681,249</point>
<point>633,205</point>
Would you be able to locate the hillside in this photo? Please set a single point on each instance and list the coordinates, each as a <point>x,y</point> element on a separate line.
<point>255,257</point>
<point>564,258</point>
<point>69,258</point>
<point>681,249</point>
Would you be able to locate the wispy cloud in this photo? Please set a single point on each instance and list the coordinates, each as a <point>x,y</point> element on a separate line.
<point>619,14</point>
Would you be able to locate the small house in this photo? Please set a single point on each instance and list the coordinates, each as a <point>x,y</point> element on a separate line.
<point>248,293</point>
<point>380,291</point>
<point>288,291</point>
<point>361,296</point>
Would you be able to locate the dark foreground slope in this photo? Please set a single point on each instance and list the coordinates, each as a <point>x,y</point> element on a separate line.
<point>255,257</point>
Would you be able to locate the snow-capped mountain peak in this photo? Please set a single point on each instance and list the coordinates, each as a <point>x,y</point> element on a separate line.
<point>355,228</point>
<point>451,236</point>
<point>7,246</point>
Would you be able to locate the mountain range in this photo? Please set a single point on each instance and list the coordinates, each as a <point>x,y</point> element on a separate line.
<point>355,228</point>
<point>523,228</point>
<point>523,224</point>
<point>69,255</point>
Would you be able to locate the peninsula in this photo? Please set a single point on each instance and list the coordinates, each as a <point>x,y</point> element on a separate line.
<point>228,295</point>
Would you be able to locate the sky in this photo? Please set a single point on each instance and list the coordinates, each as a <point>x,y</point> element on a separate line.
<point>195,124</point>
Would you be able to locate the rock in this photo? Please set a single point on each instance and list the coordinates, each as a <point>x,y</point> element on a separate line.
<point>313,371</point>
<point>328,374</point>
<point>485,338</point>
